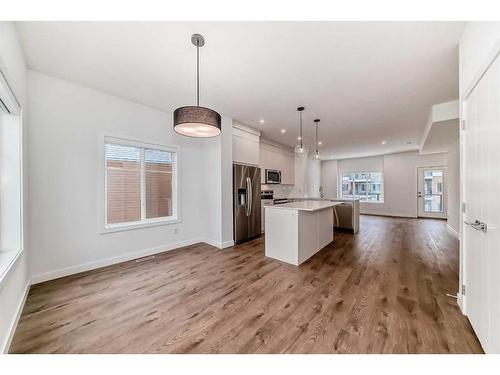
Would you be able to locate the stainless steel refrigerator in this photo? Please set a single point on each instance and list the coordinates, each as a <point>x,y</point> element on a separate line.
<point>246,202</point>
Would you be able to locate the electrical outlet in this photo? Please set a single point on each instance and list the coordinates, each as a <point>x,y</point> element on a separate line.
<point>176,230</point>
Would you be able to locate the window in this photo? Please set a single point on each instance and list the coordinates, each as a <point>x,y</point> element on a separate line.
<point>367,186</point>
<point>433,191</point>
<point>11,203</point>
<point>140,183</point>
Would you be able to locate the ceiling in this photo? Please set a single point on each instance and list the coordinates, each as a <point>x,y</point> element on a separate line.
<point>368,82</point>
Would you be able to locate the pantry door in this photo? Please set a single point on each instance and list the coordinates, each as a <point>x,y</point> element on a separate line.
<point>481,219</point>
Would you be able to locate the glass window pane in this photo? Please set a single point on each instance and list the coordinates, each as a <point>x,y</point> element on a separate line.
<point>366,186</point>
<point>158,170</point>
<point>123,171</point>
<point>347,186</point>
<point>433,191</point>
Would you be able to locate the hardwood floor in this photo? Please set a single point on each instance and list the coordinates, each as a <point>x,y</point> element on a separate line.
<point>380,291</point>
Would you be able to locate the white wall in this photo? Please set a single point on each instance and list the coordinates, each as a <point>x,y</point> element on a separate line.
<point>14,285</point>
<point>445,111</point>
<point>453,183</point>
<point>66,121</point>
<point>227,182</point>
<point>216,181</point>
<point>329,178</point>
<point>307,177</point>
<point>400,179</point>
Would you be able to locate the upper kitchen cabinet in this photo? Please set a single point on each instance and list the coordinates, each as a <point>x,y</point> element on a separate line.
<point>246,148</point>
<point>275,156</point>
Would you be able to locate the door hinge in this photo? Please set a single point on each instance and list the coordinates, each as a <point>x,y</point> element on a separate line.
<point>463,206</point>
<point>463,124</point>
<point>463,289</point>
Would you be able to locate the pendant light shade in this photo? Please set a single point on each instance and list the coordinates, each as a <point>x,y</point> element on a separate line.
<point>316,154</point>
<point>196,121</point>
<point>300,149</point>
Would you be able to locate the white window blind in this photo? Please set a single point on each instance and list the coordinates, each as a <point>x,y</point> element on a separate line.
<point>140,183</point>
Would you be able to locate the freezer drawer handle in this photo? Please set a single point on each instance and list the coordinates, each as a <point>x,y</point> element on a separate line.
<point>248,209</point>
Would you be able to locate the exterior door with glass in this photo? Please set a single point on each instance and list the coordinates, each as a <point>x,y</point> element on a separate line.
<point>431,192</point>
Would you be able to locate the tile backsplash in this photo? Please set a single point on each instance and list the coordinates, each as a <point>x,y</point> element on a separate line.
<point>280,191</point>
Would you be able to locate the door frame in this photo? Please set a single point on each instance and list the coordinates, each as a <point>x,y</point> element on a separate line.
<point>436,215</point>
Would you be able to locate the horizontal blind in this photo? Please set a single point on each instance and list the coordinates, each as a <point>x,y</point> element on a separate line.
<point>123,167</point>
<point>158,175</point>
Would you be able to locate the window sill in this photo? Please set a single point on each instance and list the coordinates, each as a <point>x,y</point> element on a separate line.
<point>371,202</point>
<point>8,259</point>
<point>139,225</point>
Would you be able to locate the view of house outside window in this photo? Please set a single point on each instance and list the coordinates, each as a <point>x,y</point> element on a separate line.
<point>433,191</point>
<point>139,184</point>
<point>366,186</point>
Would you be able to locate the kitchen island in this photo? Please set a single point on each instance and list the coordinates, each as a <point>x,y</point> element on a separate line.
<point>296,231</point>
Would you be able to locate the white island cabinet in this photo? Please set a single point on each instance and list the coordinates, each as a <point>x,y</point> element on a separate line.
<point>298,230</point>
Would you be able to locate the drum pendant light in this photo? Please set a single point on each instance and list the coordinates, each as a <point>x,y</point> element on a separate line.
<point>196,121</point>
<point>300,150</point>
<point>316,155</point>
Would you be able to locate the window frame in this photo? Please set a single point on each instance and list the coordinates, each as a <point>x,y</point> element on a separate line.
<point>9,258</point>
<point>143,222</point>
<point>362,172</point>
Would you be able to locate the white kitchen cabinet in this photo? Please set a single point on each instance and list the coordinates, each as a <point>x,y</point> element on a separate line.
<point>246,148</point>
<point>276,157</point>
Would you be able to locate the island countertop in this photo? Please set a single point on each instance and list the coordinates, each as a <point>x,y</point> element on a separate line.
<point>304,205</point>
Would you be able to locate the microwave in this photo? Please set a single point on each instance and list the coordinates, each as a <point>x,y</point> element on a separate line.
<point>273,176</point>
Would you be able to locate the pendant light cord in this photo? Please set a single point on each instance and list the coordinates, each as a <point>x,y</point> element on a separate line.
<point>198,73</point>
<point>317,151</point>
<point>301,139</point>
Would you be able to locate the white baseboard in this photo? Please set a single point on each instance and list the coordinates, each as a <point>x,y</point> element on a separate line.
<point>227,244</point>
<point>453,232</point>
<point>219,244</point>
<point>13,324</point>
<point>389,214</point>
<point>460,302</point>
<point>51,275</point>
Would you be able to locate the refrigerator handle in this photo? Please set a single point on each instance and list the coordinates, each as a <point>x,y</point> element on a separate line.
<point>249,197</point>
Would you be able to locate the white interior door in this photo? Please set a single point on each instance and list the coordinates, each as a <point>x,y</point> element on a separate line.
<point>482,215</point>
<point>431,191</point>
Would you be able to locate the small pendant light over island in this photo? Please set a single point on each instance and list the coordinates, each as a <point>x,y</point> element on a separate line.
<point>196,121</point>
<point>316,155</point>
<point>300,150</point>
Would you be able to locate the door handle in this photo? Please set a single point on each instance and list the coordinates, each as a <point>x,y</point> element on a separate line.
<point>249,196</point>
<point>472,223</point>
<point>478,225</point>
<point>481,226</point>
<point>250,202</point>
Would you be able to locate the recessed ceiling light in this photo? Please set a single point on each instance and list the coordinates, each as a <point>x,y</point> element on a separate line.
<point>262,121</point>
<point>320,143</point>
<point>283,131</point>
<point>299,138</point>
<point>384,142</point>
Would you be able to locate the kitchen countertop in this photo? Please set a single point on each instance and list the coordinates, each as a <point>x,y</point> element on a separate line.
<point>320,199</point>
<point>308,205</point>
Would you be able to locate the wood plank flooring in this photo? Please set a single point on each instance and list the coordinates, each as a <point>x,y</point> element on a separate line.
<point>380,291</point>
